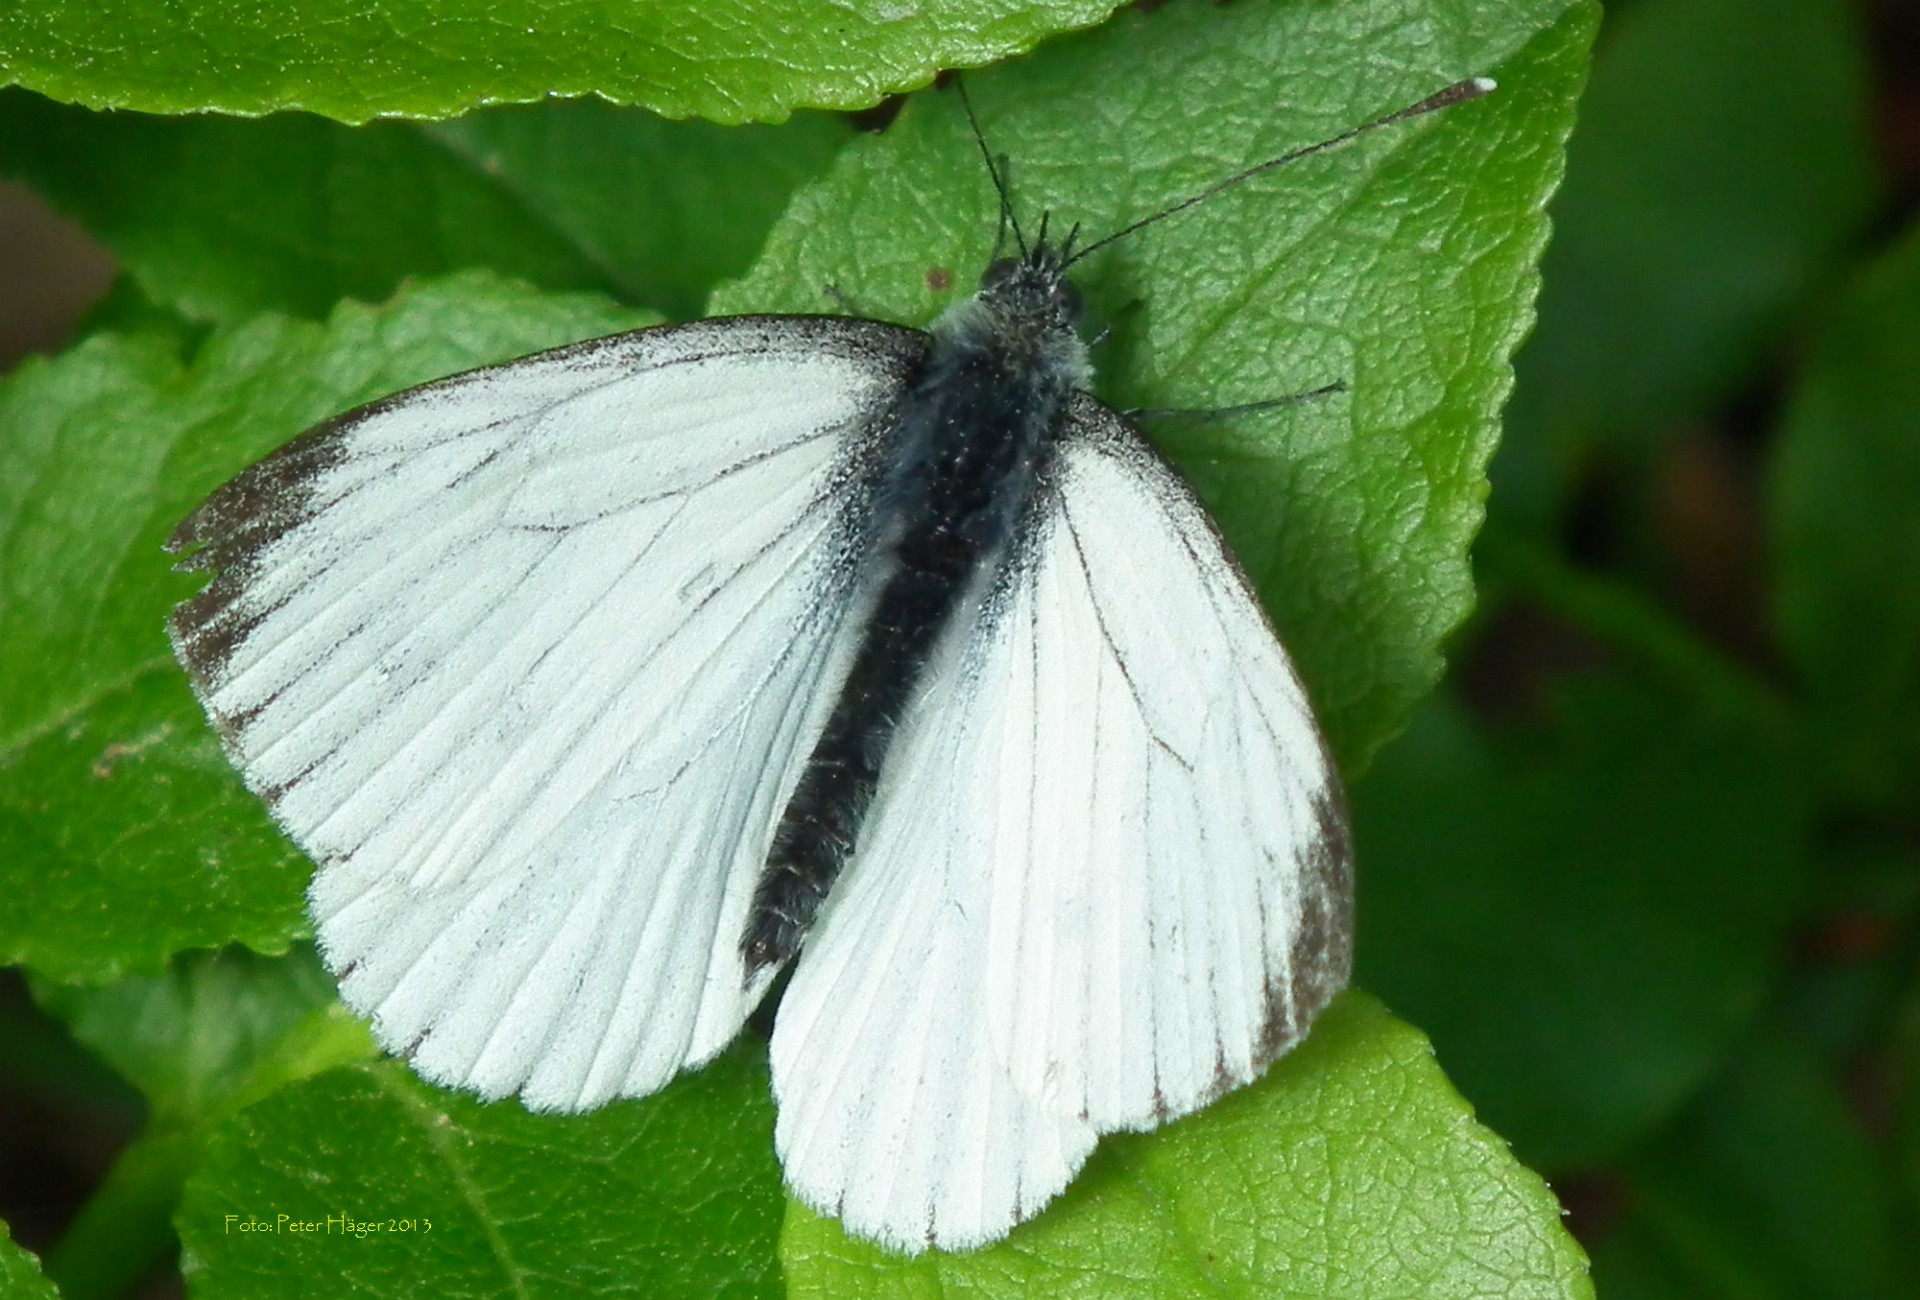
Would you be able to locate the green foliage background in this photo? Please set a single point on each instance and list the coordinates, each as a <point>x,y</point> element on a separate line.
<point>1641,864</point>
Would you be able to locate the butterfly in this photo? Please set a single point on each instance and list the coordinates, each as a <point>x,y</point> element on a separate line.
<point>609,686</point>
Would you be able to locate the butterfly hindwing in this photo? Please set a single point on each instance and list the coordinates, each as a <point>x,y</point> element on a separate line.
<point>1105,879</point>
<point>527,661</point>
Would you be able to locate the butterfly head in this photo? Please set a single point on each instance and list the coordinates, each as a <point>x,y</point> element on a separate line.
<point>1033,287</point>
<point>1027,314</point>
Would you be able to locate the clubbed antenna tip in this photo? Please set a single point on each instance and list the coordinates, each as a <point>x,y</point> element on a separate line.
<point>1458,93</point>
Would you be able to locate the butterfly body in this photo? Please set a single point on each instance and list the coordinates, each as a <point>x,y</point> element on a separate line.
<point>559,669</point>
<point>970,444</point>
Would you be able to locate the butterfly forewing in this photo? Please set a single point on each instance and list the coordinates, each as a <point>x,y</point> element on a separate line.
<point>527,661</point>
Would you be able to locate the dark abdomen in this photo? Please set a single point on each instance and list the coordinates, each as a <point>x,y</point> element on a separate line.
<point>972,437</point>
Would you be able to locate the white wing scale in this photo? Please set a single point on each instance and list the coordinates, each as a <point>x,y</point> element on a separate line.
<point>1105,878</point>
<point>534,726</point>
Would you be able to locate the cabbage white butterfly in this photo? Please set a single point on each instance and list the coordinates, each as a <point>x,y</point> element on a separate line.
<point>608,684</point>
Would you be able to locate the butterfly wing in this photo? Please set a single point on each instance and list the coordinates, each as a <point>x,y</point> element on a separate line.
<point>528,660</point>
<point>1106,877</point>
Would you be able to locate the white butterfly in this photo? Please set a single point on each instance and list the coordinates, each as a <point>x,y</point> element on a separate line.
<point>606,684</point>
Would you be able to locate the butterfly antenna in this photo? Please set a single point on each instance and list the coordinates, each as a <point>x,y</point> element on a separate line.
<point>1008,221</point>
<point>1458,93</point>
<point>1006,209</point>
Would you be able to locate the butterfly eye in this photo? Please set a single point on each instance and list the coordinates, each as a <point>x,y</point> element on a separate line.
<point>1000,275</point>
<point>1068,304</point>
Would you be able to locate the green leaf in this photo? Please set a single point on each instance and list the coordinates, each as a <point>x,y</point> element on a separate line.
<point>191,1036</point>
<point>125,1227</point>
<point>1402,265</point>
<point>728,60</point>
<point>1351,1169</point>
<point>220,219</point>
<point>20,1276</point>
<point>1582,925</point>
<point>1765,1188</point>
<point>667,208</point>
<point>124,836</point>
<point>212,1032</point>
<point>410,1190</point>
<point>1845,504</point>
<point>1723,165</point>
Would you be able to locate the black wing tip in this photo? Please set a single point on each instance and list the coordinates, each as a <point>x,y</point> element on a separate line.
<point>269,496</point>
<point>184,537</point>
<point>1320,959</point>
